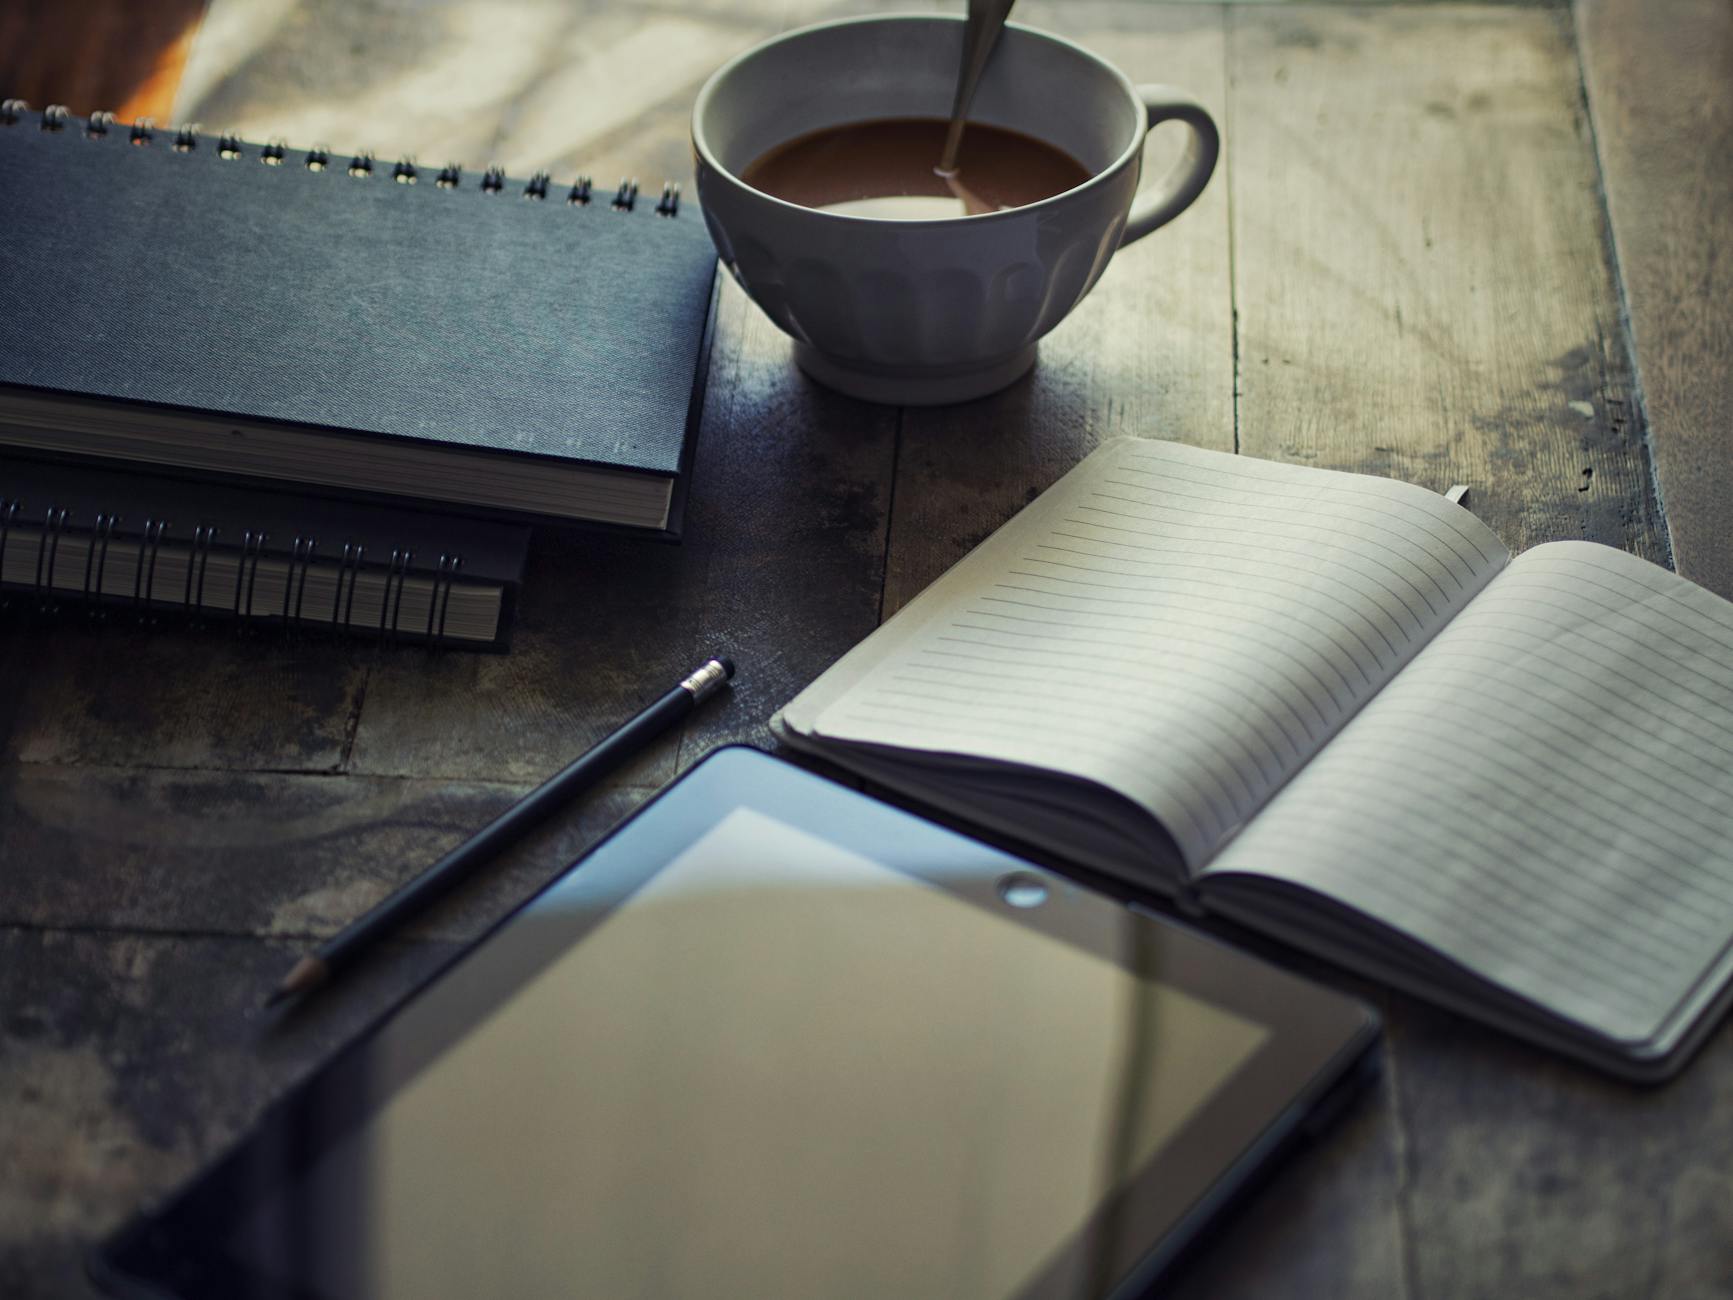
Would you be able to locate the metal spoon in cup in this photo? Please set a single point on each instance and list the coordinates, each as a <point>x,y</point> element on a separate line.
<point>980,34</point>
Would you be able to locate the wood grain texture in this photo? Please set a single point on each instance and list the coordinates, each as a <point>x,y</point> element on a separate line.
<point>789,528</point>
<point>524,84</point>
<point>1659,78</point>
<point>283,857</point>
<point>1527,1176</point>
<point>126,1061</point>
<point>161,697</point>
<point>1422,276</point>
<point>97,54</point>
<point>1148,352</point>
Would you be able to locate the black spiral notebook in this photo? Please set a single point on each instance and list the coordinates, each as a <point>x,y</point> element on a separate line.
<point>121,545</point>
<point>312,320</point>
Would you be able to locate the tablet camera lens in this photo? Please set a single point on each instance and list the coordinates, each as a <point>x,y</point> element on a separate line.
<point>1020,889</point>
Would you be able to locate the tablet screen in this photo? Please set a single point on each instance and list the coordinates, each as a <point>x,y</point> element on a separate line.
<point>778,1069</point>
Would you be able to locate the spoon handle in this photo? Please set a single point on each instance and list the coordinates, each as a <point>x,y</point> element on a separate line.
<point>986,21</point>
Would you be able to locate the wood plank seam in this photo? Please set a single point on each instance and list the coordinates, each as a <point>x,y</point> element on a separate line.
<point>1402,1153</point>
<point>891,512</point>
<point>352,725</point>
<point>287,937</point>
<point>1639,409</point>
<point>47,766</point>
<point>1227,183</point>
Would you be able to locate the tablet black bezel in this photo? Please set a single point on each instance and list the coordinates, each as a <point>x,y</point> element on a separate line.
<point>1315,1039</point>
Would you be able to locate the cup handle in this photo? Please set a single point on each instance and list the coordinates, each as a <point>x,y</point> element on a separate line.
<point>1189,175</point>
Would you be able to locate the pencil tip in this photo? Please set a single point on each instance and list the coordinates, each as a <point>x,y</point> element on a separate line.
<point>306,973</point>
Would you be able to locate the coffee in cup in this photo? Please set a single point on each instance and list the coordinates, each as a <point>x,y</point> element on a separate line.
<point>912,308</point>
<point>887,169</point>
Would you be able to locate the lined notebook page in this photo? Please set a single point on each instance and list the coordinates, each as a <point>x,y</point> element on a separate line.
<point>1182,626</point>
<point>1544,794</point>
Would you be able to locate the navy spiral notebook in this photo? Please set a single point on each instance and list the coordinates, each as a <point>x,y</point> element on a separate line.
<point>343,325</point>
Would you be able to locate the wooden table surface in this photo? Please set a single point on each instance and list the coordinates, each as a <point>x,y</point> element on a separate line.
<point>1477,243</point>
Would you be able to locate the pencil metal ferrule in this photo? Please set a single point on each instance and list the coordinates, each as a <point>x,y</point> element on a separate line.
<point>706,681</point>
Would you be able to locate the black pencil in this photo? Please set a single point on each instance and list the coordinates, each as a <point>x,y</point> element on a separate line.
<point>329,957</point>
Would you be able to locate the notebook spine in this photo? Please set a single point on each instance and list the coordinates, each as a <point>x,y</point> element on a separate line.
<point>39,562</point>
<point>186,139</point>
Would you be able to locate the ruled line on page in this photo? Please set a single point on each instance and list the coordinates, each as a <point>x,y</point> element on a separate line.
<point>1420,573</point>
<point>1398,497</point>
<point>1249,583</point>
<point>1246,628</point>
<point>1053,686</point>
<point>1168,544</point>
<point>1372,656</point>
<point>1520,757</point>
<point>1466,688</point>
<point>1298,737</point>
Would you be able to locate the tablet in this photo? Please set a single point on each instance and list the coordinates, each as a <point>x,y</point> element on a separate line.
<point>773,1038</point>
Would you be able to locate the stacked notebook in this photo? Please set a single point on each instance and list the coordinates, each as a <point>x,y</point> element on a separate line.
<point>458,345</point>
<point>1334,708</point>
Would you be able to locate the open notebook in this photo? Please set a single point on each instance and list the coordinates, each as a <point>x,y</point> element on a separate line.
<point>1335,709</point>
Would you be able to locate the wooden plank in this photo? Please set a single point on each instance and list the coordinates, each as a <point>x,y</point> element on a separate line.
<point>1423,285</point>
<point>1660,85</point>
<point>1149,352</point>
<point>156,697</point>
<point>789,520</point>
<point>526,86</point>
<point>289,857</point>
<point>128,1061</point>
<point>97,54</point>
<point>1530,1176</point>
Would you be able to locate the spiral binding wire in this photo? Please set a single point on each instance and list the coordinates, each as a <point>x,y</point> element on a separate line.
<point>53,523</point>
<point>231,148</point>
<point>99,539</point>
<point>301,554</point>
<point>144,577</point>
<point>144,602</point>
<point>8,520</point>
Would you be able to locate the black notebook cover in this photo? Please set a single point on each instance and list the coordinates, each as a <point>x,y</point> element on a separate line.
<point>231,278</point>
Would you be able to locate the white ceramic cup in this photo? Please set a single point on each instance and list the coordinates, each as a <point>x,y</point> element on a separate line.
<point>926,312</point>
